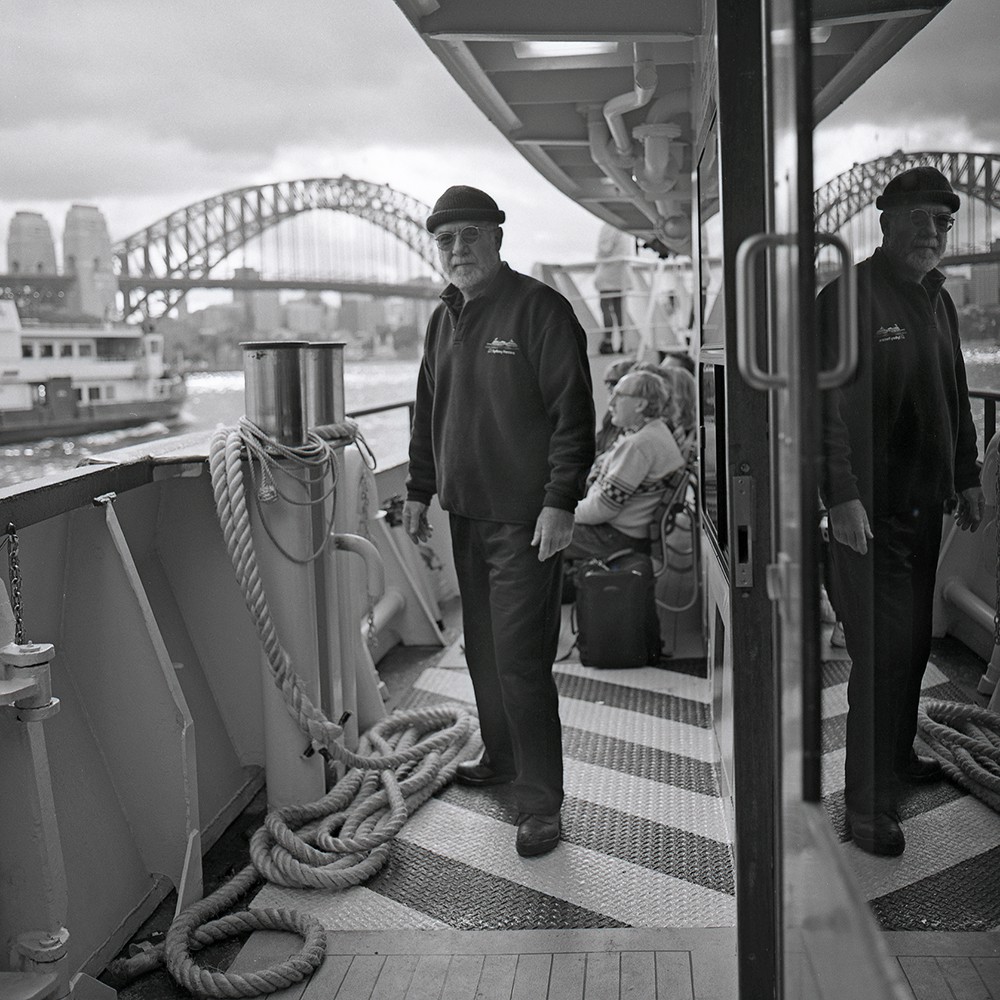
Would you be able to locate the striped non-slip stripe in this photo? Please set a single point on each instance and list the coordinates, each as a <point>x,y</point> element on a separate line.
<point>622,890</point>
<point>659,845</point>
<point>359,908</point>
<point>962,897</point>
<point>607,720</point>
<point>935,840</point>
<point>664,681</point>
<point>634,699</point>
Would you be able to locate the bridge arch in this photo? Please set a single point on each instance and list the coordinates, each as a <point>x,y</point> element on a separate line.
<point>192,240</point>
<point>975,176</point>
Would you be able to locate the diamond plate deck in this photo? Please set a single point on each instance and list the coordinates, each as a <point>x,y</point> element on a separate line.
<point>645,842</point>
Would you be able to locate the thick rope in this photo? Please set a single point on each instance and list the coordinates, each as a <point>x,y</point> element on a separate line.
<point>340,840</point>
<point>966,739</point>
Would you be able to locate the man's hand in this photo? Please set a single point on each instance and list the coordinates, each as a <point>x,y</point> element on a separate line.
<point>969,509</point>
<point>553,531</point>
<point>415,522</point>
<point>849,524</point>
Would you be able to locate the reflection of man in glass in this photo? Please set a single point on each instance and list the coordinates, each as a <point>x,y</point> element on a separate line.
<point>611,281</point>
<point>899,444</point>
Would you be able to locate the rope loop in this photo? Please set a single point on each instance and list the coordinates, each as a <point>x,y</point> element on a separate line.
<point>966,739</point>
<point>343,838</point>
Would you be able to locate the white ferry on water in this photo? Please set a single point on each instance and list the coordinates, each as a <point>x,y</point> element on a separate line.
<point>58,380</point>
<point>203,632</point>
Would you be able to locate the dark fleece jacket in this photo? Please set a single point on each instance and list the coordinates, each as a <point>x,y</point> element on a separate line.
<point>901,434</point>
<point>504,418</point>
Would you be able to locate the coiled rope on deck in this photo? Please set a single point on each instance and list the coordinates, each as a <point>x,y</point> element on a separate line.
<point>966,739</point>
<point>342,839</point>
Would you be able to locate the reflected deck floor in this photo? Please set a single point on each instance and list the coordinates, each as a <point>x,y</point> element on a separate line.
<point>946,879</point>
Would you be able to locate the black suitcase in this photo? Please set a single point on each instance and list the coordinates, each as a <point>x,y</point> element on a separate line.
<point>616,612</point>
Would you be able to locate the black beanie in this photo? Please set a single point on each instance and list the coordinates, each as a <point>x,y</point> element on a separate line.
<point>461,204</point>
<point>916,185</point>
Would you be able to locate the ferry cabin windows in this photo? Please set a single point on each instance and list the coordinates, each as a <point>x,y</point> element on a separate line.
<point>94,393</point>
<point>46,349</point>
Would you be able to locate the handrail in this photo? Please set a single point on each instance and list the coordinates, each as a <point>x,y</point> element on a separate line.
<point>384,407</point>
<point>36,500</point>
<point>58,494</point>
<point>989,398</point>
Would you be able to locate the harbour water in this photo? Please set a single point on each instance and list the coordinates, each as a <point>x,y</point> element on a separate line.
<point>216,399</point>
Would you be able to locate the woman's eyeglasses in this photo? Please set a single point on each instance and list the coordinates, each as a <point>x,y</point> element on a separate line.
<point>468,235</point>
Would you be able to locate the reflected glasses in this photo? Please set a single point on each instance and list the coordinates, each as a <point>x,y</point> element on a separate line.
<point>942,221</point>
<point>468,235</point>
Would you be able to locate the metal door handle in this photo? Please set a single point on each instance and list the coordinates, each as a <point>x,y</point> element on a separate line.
<point>746,306</point>
<point>847,328</point>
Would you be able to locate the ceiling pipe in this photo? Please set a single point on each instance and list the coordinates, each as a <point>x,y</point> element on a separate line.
<point>662,158</point>
<point>657,173</point>
<point>669,226</point>
<point>601,153</point>
<point>643,87</point>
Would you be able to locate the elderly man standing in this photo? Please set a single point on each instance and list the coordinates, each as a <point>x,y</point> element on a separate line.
<point>899,444</point>
<point>503,433</point>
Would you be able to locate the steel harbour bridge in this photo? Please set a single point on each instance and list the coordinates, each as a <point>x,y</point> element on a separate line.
<point>352,235</point>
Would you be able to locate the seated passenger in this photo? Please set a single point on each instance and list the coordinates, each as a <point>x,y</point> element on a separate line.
<point>628,481</point>
<point>607,433</point>
<point>681,415</point>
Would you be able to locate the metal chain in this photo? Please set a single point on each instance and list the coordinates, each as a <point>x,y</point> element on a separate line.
<point>996,525</point>
<point>364,511</point>
<point>15,585</point>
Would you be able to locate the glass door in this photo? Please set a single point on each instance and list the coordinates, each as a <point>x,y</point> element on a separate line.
<point>830,942</point>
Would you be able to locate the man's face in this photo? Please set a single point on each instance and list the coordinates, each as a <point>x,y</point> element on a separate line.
<point>916,235</point>
<point>470,266</point>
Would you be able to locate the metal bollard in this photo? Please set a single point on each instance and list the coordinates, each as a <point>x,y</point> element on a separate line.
<point>324,383</point>
<point>273,389</point>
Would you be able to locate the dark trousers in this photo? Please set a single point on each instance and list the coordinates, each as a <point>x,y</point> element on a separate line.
<point>885,600</point>
<point>510,612</point>
<point>598,541</point>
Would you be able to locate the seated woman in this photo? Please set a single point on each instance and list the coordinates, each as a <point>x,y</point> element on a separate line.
<point>681,415</point>
<point>628,480</point>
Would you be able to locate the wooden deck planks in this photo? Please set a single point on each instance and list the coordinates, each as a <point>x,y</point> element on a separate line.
<point>963,979</point>
<point>621,964</point>
<point>953,966</point>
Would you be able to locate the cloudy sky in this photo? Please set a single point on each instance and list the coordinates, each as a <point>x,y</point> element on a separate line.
<point>142,107</point>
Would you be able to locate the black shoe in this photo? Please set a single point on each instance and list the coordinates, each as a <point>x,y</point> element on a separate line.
<point>921,770</point>
<point>479,775</point>
<point>606,347</point>
<point>878,834</point>
<point>537,834</point>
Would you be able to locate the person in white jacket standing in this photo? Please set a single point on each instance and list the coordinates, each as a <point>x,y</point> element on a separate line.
<point>611,282</point>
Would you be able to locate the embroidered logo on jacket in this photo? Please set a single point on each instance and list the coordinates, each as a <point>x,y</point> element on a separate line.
<point>498,346</point>
<point>886,334</point>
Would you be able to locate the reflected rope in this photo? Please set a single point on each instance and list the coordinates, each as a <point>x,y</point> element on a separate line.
<point>966,739</point>
<point>342,839</point>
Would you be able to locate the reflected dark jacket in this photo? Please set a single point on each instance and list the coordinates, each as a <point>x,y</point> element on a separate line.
<point>901,434</point>
<point>504,414</point>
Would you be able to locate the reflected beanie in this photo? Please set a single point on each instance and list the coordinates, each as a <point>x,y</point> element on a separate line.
<point>461,204</point>
<point>914,186</point>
